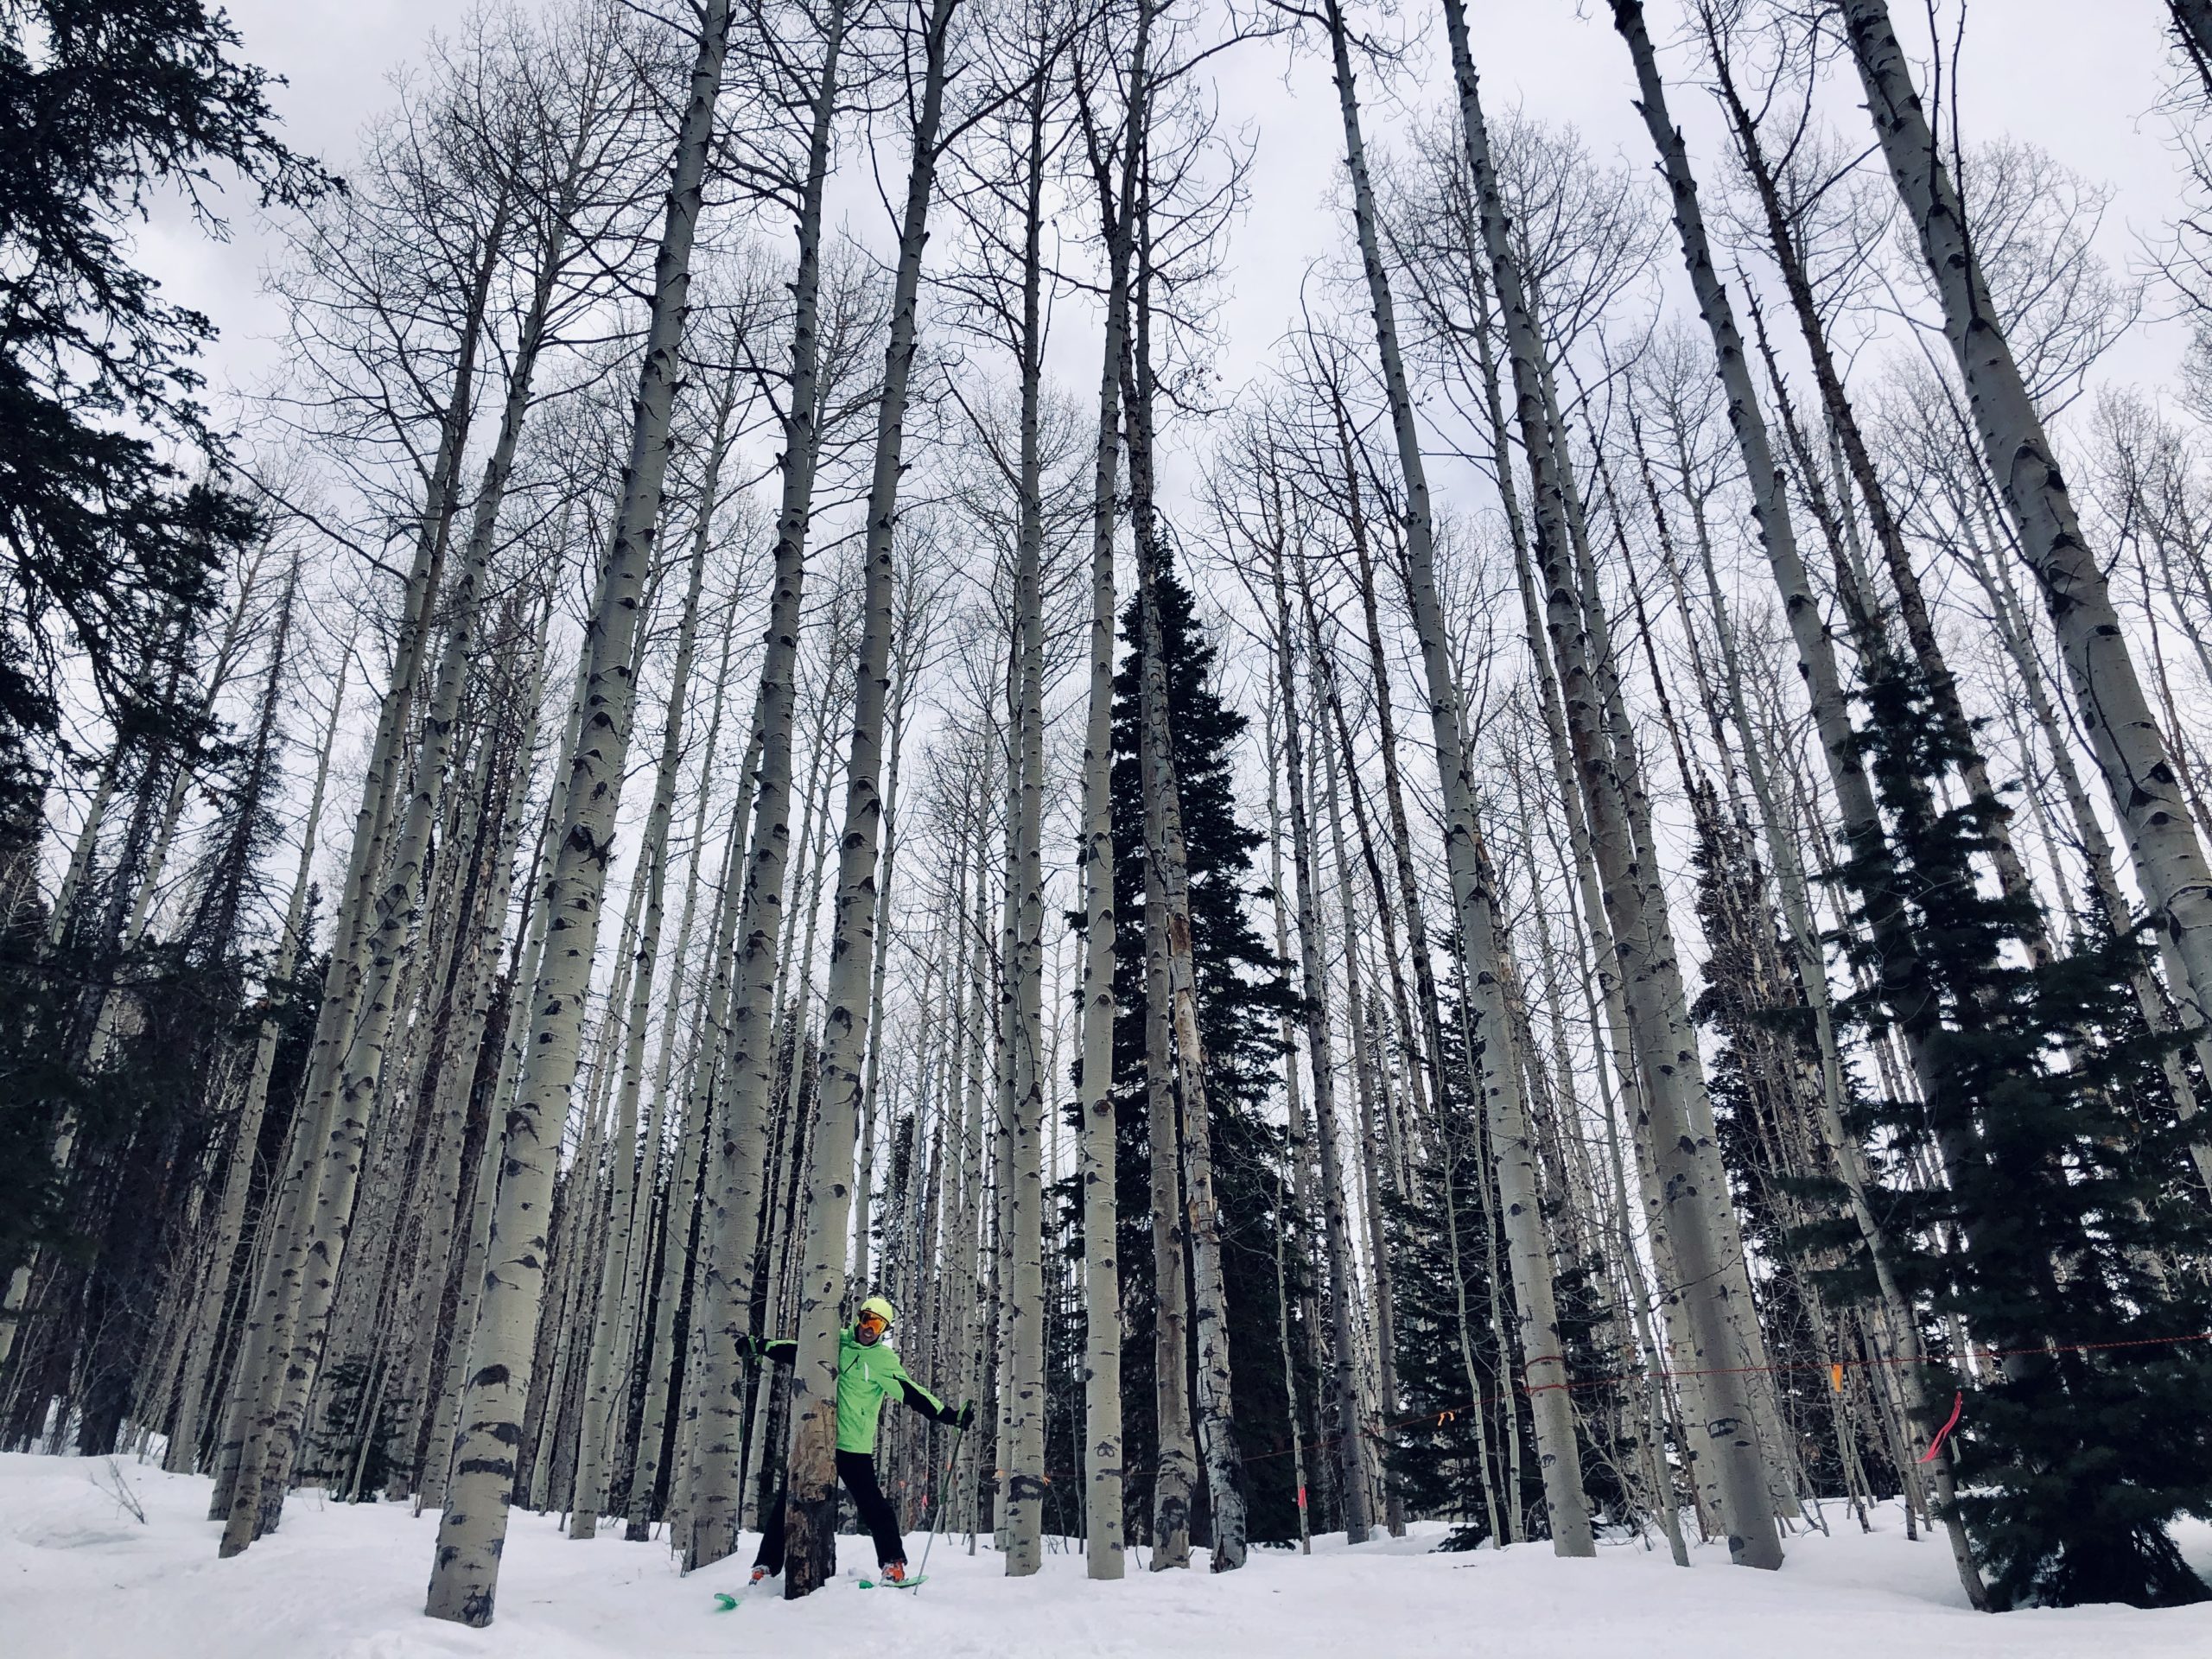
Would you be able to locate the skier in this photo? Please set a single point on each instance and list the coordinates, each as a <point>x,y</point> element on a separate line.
<point>868,1373</point>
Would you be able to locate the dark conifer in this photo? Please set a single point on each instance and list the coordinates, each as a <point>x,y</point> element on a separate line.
<point>2053,1236</point>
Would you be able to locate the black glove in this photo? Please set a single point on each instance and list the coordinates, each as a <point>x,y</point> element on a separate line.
<point>961,1418</point>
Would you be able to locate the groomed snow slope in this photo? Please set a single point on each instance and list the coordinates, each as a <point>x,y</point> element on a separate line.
<point>81,1579</point>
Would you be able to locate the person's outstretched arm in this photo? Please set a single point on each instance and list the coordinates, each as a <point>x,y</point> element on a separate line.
<point>777,1350</point>
<point>921,1399</point>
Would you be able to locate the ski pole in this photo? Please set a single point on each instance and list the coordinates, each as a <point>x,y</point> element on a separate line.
<point>937,1502</point>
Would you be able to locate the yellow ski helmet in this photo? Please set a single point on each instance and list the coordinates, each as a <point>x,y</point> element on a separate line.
<point>882,1310</point>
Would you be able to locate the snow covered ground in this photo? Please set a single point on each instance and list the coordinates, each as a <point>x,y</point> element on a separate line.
<point>80,1578</point>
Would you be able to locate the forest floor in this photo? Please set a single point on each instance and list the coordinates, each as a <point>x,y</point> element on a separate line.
<point>81,1576</point>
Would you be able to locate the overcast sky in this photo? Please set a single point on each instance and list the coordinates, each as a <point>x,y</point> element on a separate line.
<point>2082,78</point>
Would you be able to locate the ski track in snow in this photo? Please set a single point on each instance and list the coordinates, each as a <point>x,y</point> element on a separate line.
<point>81,1579</point>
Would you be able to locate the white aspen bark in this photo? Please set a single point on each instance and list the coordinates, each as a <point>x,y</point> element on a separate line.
<point>600,1398</point>
<point>1103,1548</point>
<point>1652,980</point>
<point>1319,1047</point>
<point>1295,1215</point>
<point>722,1312</point>
<point>2124,734</point>
<point>810,1500</point>
<point>397,916</point>
<point>464,1574</point>
<point>966,1225</point>
<point>283,1246</point>
<point>1025,1351</point>
<point>229,1222</point>
<point>1500,1081</point>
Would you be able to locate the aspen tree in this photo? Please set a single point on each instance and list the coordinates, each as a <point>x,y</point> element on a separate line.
<point>1319,1047</point>
<point>464,1574</point>
<point>1102,1474</point>
<point>810,1502</point>
<point>591,1455</point>
<point>902,677</point>
<point>1651,981</point>
<point>733,1184</point>
<point>2124,734</point>
<point>1025,1387</point>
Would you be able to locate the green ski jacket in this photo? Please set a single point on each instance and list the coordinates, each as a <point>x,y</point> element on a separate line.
<point>868,1375</point>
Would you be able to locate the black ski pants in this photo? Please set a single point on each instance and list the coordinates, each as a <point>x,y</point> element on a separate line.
<point>857,1470</point>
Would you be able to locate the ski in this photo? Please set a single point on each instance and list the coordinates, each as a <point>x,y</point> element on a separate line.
<point>901,1584</point>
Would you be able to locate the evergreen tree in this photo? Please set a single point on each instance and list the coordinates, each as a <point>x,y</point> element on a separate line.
<point>1437,1456</point>
<point>1764,1074</point>
<point>1242,994</point>
<point>2051,1236</point>
<point>103,103</point>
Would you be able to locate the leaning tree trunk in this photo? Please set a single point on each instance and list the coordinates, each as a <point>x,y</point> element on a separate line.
<point>464,1577</point>
<point>1693,1210</point>
<point>600,1423</point>
<point>2124,734</point>
<point>811,1501</point>
<point>230,1221</point>
<point>1319,1050</point>
<point>1544,1372</point>
<point>723,1312</point>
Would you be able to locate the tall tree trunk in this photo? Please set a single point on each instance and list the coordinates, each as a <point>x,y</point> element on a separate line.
<point>464,1577</point>
<point>2124,734</point>
<point>1025,1459</point>
<point>1545,1371</point>
<point>811,1501</point>
<point>1674,1077</point>
<point>1103,1468</point>
<point>723,1312</point>
<point>1164,854</point>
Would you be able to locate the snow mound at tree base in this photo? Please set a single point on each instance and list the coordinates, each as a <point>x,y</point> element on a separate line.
<point>81,1579</point>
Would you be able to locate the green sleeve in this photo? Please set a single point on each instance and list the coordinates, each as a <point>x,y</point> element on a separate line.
<point>780,1351</point>
<point>917,1396</point>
